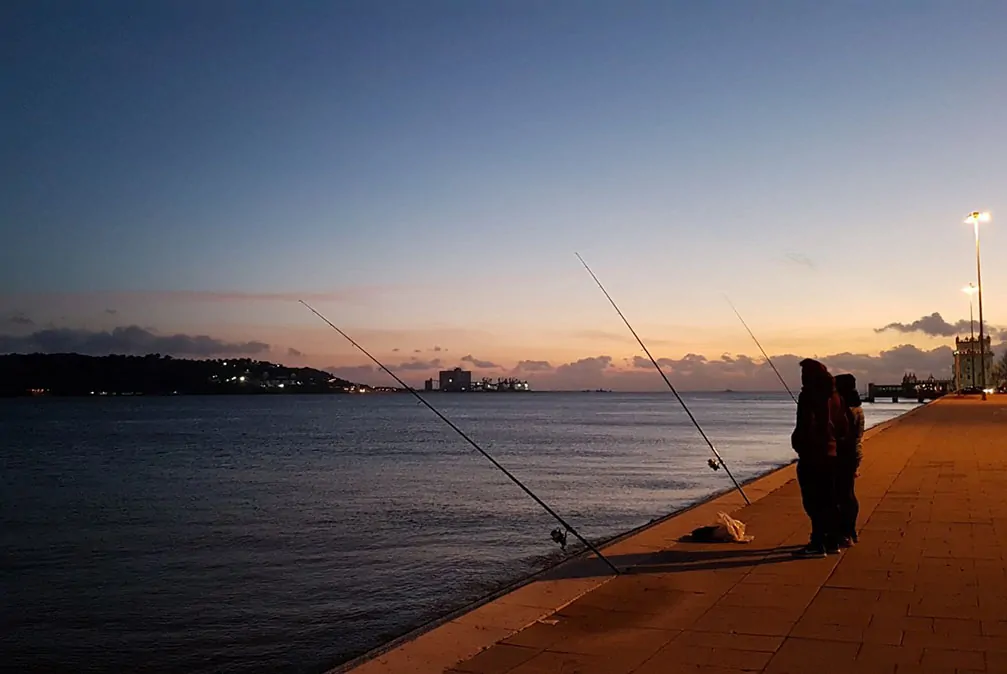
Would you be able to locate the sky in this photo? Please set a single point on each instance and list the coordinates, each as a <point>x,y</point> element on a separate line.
<point>176,175</point>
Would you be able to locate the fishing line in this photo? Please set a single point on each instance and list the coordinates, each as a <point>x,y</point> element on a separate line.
<point>713,464</point>
<point>558,535</point>
<point>766,355</point>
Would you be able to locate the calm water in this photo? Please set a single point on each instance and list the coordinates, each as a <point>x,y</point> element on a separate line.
<point>287,534</point>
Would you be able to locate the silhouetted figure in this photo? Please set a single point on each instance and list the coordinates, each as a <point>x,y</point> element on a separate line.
<point>821,425</point>
<point>849,454</point>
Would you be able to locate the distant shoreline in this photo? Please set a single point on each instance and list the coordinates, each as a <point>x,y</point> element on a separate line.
<point>369,393</point>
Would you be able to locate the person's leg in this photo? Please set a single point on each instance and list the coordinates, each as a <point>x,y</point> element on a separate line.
<point>805,480</point>
<point>845,469</point>
<point>854,510</point>
<point>809,479</point>
<point>831,525</point>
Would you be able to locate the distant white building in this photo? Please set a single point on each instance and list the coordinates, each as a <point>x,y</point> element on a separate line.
<point>969,364</point>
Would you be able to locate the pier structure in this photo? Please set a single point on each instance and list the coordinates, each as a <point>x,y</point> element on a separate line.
<point>911,388</point>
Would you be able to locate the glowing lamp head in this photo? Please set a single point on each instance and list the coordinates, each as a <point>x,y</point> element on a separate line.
<point>970,289</point>
<point>975,217</point>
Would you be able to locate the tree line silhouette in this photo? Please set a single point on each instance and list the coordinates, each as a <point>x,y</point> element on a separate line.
<point>71,374</point>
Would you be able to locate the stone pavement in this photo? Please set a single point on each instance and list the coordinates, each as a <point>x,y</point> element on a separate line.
<point>925,590</point>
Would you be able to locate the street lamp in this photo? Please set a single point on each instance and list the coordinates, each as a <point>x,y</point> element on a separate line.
<point>974,218</point>
<point>970,290</point>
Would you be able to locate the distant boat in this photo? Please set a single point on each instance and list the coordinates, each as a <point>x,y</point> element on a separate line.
<point>727,390</point>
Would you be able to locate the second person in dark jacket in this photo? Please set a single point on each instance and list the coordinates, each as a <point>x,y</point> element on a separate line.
<point>848,457</point>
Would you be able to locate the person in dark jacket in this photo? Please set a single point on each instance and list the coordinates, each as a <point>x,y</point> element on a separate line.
<point>821,426</point>
<point>848,456</point>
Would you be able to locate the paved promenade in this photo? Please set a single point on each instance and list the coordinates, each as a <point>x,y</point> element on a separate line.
<point>925,590</point>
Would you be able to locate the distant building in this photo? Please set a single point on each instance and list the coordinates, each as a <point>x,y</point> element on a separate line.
<point>428,385</point>
<point>456,380</point>
<point>512,384</point>
<point>969,364</point>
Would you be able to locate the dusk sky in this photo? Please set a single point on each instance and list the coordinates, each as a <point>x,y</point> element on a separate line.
<point>423,172</point>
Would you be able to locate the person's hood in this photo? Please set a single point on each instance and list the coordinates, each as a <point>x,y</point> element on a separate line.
<point>815,376</point>
<point>846,384</point>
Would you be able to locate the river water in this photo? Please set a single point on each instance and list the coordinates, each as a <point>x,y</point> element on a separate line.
<point>291,533</point>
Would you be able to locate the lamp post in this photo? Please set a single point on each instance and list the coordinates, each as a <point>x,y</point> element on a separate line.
<point>974,218</point>
<point>970,290</point>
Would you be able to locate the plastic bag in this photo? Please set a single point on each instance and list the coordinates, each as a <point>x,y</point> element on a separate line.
<point>735,529</point>
<point>728,530</point>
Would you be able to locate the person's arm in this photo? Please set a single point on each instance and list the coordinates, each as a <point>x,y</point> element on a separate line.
<point>840,422</point>
<point>860,435</point>
<point>797,437</point>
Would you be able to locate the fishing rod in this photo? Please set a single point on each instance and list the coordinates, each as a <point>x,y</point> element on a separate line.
<point>720,459</point>
<point>558,535</point>
<point>766,355</point>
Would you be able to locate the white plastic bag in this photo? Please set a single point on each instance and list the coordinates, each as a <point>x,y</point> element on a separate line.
<point>727,530</point>
<point>734,530</point>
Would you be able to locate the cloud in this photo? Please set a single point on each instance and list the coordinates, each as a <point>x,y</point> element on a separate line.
<point>395,350</point>
<point>20,319</point>
<point>593,364</point>
<point>437,348</point>
<point>583,373</point>
<point>481,364</point>
<point>111,312</point>
<point>417,350</point>
<point>691,362</point>
<point>294,353</point>
<point>127,340</point>
<point>696,372</point>
<point>935,326</point>
<point>419,365</point>
<point>802,260</point>
<point>533,366</point>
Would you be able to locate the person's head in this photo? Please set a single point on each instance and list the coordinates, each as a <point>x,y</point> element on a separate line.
<point>846,383</point>
<point>815,376</point>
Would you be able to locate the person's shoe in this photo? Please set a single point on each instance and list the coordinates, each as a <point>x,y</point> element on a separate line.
<point>853,536</point>
<point>846,542</point>
<point>810,551</point>
<point>831,549</point>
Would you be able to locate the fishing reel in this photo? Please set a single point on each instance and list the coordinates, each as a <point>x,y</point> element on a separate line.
<point>714,464</point>
<point>559,535</point>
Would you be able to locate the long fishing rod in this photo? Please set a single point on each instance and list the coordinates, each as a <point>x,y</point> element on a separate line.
<point>765,355</point>
<point>557,535</point>
<point>720,459</point>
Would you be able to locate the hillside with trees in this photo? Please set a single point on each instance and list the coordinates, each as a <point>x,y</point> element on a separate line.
<point>71,374</point>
